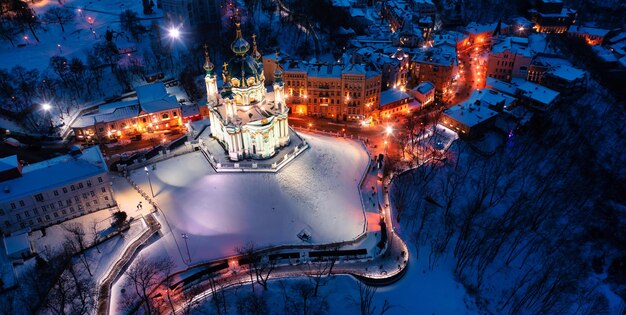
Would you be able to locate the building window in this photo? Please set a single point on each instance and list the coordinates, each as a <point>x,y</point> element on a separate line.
<point>84,195</point>
<point>35,211</point>
<point>175,114</point>
<point>77,199</point>
<point>72,187</point>
<point>72,209</point>
<point>88,183</point>
<point>39,220</point>
<point>43,208</point>
<point>18,216</point>
<point>13,206</point>
<point>56,215</point>
<point>80,185</point>
<point>47,217</point>
<point>56,193</point>
<point>92,193</point>
<point>106,198</point>
<point>165,116</point>
<point>1,212</point>
<point>104,190</point>
<point>21,203</point>
<point>63,212</point>
<point>68,202</point>
<point>65,190</point>
<point>39,197</point>
<point>26,214</point>
<point>60,203</point>
<point>99,179</point>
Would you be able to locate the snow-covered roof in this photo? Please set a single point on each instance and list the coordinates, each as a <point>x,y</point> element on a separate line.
<point>16,243</point>
<point>62,170</point>
<point>444,55</point>
<point>357,12</point>
<point>8,163</point>
<point>535,91</point>
<point>515,45</point>
<point>449,37</point>
<point>549,60</point>
<point>392,95</point>
<point>475,28</point>
<point>567,73</point>
<point>603,53</point>
<point>121,110</point>
<point>154,98</point>
<point>424,87</point>
<point>577,29</point>
<point>501,86</point>
<point>470,113</point>
<point>491,97</point>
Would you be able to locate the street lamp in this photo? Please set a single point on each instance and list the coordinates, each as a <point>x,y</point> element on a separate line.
<point>173,32</point>
<point>388,130</point>
<point>184,236</point>
<point>46,106</point>
<point>145,168</point>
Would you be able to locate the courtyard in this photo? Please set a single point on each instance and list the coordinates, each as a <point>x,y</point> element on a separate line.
<point>316,193</point>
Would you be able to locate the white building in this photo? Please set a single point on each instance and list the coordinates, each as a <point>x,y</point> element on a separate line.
<point>243,119</point>
<point>52,191</point>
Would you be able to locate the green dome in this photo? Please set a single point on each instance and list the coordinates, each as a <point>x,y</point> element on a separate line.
<point>242,69</point>
<point>239,46</point>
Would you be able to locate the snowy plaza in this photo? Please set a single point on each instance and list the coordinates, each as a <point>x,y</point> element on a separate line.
<point>316,193</point>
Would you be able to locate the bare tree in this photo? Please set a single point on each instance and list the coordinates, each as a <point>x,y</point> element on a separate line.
<point>144,275</point>
<point>95,237</point>
<point>248,253</point>
<point>365,300</point>
<point>319,273</point>
<point>77,233</point>
<point>59,15</point>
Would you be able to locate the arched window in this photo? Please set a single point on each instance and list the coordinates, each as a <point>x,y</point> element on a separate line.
<point>165,116</point>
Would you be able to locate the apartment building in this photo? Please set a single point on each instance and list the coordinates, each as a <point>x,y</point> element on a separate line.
<point>343,92</point>
<point>509,58</point>
<point>52,191</point>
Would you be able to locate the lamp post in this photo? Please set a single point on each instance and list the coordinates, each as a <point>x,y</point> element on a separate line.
<point>47,108</point>
<point>145,168</point>
<point>388,132</point>
<point>185,237</point>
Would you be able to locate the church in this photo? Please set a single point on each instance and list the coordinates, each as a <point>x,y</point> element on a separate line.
<point>243,119</point>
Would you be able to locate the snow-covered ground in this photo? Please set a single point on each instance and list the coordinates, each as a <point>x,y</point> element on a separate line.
<point>316,192</point>
<point>91,23</point>
<point>219,212</point>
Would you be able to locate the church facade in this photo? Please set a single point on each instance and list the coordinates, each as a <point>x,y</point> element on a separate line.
<point>247,123</point>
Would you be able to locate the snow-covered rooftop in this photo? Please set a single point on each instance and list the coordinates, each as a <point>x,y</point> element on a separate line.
<point>605,54</point>
<point>475,28</point>
<point>491,97</point>
<point>501,86</point>
<point>8,163</point>
<point>587,30</point>
<point>55,172</point>
<point>424,87</point>
<point>567,73</point>
<point>515,45</point>
<point>444,55</point>
<point>16,243</point>
<point>392,95</point>
<point>470,113</point>
<point>535,91</point>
